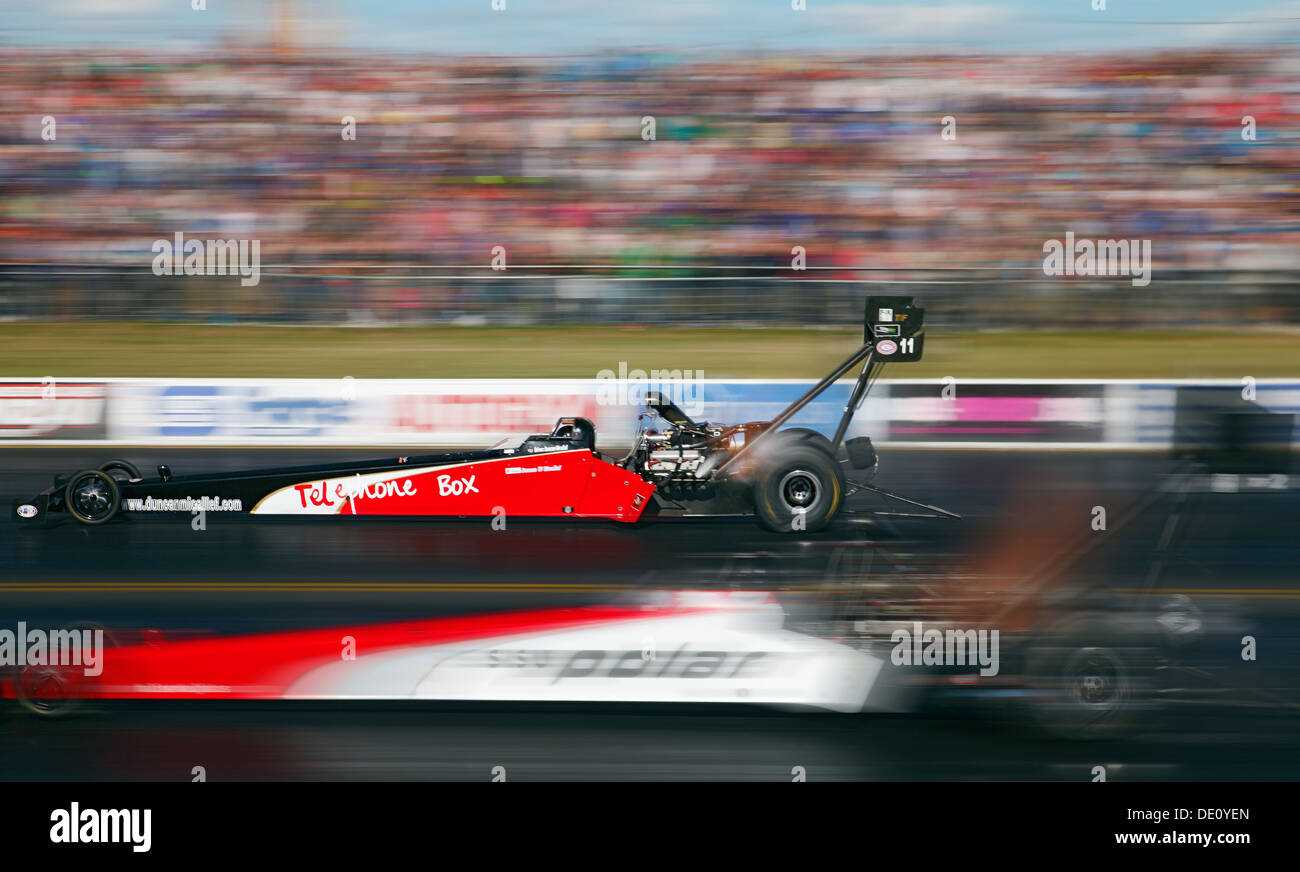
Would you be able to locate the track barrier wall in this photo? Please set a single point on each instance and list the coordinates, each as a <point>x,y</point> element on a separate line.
<point>976,413</point>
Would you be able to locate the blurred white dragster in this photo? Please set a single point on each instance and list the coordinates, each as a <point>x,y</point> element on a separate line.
<point>693,647</point>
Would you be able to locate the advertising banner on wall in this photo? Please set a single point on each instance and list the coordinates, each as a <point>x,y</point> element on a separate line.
<point>349,412</point>
<point>1118,414</point>
<point>976,412</point>
<point>51,409</point>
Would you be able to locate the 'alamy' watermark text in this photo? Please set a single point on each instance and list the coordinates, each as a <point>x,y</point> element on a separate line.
<point>36,647</point>
<point>1102,257</point>
<point>951,647</point>
<point>212,257</point>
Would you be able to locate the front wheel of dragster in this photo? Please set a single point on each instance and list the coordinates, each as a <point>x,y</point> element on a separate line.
<point>49,691</point>
<point>56,691</point>
<point>798,488</point>
<point>92,496</point>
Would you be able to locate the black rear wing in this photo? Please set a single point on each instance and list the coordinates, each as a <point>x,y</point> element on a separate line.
<point>895,327</point>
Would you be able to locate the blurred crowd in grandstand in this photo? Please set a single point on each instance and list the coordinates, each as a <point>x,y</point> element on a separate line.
<point>546,157</point>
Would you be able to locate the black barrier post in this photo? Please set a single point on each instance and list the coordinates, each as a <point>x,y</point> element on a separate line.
<point>859,391</point>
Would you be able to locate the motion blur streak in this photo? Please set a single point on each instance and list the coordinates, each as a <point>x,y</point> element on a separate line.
<point>545,157</point>
<point>1191,713</point>
<point>197,204</point>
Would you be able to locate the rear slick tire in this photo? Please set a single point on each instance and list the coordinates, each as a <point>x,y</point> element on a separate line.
<point>798,490</point>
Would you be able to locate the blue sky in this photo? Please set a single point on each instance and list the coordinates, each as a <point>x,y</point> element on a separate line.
<point>529,27</point>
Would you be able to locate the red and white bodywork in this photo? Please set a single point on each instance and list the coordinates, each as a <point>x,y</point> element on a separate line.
<point>692,647</point>
<point>559,484</point>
